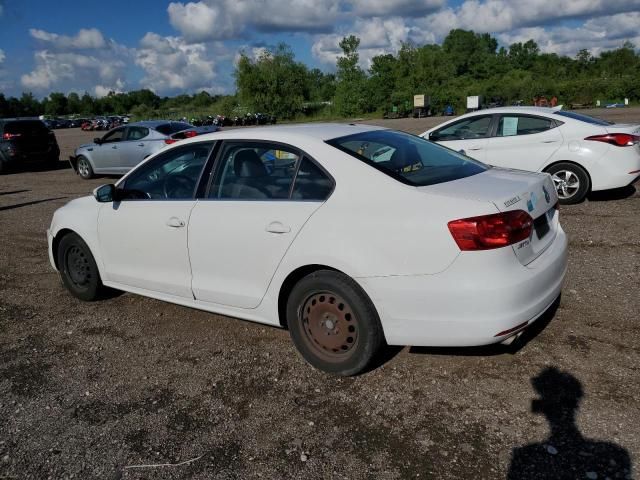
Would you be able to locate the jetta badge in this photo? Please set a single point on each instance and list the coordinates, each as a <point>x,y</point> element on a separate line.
<point>531,203</point>
<point>547,197</point>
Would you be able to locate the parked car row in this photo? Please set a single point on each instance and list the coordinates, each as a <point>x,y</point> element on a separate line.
<point>124,147</point>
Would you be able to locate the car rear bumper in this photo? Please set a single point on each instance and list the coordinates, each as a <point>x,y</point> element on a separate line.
<point>481,295</point>
<point>619,168</point>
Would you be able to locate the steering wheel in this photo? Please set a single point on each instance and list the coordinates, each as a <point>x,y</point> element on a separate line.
<point>177,186</point>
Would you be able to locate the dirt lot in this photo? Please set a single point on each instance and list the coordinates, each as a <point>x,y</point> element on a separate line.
<point>88,390</point>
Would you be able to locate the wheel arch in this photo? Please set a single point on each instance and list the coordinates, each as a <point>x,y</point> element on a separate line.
<point>585,169</point>
<point>63,232</point>
<point>290,281</point>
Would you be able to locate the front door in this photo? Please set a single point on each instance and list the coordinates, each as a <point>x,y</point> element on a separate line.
<point>106,155</point>
<point>253,211</point>
<point>143,238</point>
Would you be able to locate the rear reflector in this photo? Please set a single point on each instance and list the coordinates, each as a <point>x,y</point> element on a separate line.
<point>511,330</point>
<point>617,139</point>
<point>491,231</point>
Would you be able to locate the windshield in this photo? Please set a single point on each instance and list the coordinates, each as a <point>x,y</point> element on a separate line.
<point>407,158</point>
<point>583,118</point>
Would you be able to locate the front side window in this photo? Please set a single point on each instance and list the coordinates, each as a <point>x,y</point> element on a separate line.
<point>510,125</point>
<point>255,171</point>
<point>114,136</point>
<point>407,158</point>
<point>173,175</point>
<point>137,133</point>
<point>469,128</point>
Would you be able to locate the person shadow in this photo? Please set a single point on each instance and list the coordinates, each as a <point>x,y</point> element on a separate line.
<point>566,454</point>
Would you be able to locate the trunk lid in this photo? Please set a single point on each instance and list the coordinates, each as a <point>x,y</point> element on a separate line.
<point>633,129</point>
<point>509,190</point>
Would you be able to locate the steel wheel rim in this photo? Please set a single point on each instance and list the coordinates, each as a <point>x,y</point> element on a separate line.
<point>78,267</point>
<point>83,167</point>
<point>566,182</point>
<point>329,326</point>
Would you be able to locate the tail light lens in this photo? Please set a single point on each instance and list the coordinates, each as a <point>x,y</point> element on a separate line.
<point>617,139</point>
<point>491,231</point>
<point>169,141</point>
<point>190,134</point>
<point>9,136</point>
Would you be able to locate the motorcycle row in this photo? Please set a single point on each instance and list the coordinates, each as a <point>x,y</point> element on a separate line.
<point>237,121</point>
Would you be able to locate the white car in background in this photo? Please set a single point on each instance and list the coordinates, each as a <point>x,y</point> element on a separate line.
<point>582,153</point>
<point>348,235</point>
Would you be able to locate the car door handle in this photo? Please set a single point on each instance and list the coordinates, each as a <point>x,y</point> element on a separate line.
<point>115,147</point>
<point>550,141</point>
<point>141,144</point>
<point>475,148</point>
<point>175,222</point>
<point>277,227</point>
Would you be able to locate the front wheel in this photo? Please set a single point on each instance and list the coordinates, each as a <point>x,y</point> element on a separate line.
<point>78,268</point>
<point>333,323</point>
<point>571,182</point>
<point>84,168</point>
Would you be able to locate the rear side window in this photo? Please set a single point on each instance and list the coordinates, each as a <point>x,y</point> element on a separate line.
<point>26,127</point>
<point>407,158</point>
<point>137,133</point>
<point>583,118</point>
<point>474,127</point>
<point>311,182</point>
<point>511,125</point>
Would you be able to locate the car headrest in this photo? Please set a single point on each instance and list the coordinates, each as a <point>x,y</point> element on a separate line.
<point>404,156</point>
<point>248,164</point>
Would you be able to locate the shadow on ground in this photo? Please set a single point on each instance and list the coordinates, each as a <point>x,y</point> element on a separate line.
<point>566,454</point>
<point>615,194</point>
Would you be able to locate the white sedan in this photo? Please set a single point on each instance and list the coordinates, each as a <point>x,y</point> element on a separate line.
<point>349,236</point>
<point>582,153</point>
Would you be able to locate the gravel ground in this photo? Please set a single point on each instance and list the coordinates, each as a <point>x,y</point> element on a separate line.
<point>89,390</point>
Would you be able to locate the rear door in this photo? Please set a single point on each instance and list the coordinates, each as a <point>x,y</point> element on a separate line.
<point>468,136</point>
<point>522,141</point>
<point>261,196</point>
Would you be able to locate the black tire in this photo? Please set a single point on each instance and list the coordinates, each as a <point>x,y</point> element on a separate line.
<point>333,323</point>
<point>84,169</point>
<point>565,175</point>
<point>78,268</point>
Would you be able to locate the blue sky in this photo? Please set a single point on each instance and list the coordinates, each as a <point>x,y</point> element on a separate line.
<point>176,47</point>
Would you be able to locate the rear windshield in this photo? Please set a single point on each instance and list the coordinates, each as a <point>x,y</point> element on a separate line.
<point>583,118</point>
<point>180,126</point>
<point>26,127</point>
<point>407,158</point>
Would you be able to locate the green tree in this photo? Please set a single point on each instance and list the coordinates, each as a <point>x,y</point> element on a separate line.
<point>351,85</point>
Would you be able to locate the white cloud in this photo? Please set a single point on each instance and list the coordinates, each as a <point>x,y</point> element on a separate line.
<point>495,16</point>
<point>377,36</point>
<point>372,8</point>
<point>2,55</point>
<point>72,62</point>
<point>223,19</point>
<point>102,91</point>
<point>86,38</point>
<point>170,63</point>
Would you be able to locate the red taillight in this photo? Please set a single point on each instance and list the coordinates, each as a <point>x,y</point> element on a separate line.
<point>190,133</point>
<point>617,139</point>
<point>9,136</point>
<point>169,141</point>
<point>491,231</point>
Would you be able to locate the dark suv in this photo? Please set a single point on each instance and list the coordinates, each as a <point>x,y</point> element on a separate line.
<point>25,141</point>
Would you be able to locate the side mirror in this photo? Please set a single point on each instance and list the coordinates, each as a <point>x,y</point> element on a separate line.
<point>105,193</point>
<point>97,140</point>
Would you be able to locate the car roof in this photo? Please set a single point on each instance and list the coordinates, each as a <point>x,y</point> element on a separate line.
<point>317,131</point>
<point>542,110</point>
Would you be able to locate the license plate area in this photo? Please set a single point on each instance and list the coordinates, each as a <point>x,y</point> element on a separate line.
<point>541,225</point>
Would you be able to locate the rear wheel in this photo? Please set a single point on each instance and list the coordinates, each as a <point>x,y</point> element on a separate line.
<point>78,268</point>
<point>84,168</point>
<point>571,182</point>
<point>333,324</point>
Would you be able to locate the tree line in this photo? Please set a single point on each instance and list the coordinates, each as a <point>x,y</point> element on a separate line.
<point>467,63</point>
